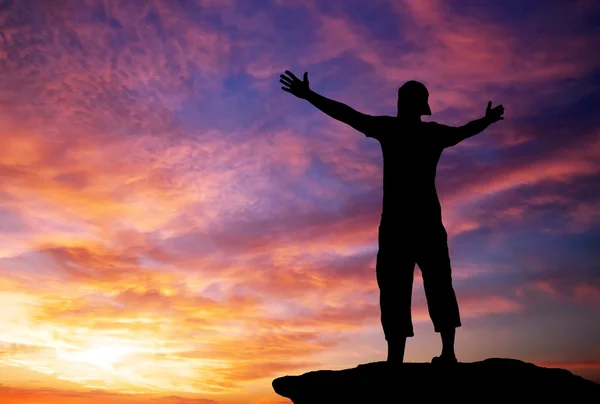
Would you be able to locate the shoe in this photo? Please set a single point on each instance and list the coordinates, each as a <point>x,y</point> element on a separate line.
<point>444,360</point>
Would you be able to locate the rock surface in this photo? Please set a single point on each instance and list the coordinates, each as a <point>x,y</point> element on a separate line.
<point>486,381</point>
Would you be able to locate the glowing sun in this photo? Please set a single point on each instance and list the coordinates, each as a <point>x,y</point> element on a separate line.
<point>104,356</point>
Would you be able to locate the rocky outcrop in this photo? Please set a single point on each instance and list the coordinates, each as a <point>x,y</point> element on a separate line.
<point>491,380</point>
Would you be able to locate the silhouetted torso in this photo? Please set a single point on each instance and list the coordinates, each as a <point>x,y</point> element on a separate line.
<point>410,157</point>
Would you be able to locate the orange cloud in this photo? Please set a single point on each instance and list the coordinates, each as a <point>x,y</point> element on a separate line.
<point>54,396</point>
<point>170,225</point>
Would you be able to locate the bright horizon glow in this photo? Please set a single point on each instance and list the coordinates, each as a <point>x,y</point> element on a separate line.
<point>174,228</point>
<point>102,356</point>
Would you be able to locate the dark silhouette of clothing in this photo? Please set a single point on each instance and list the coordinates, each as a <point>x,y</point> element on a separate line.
<point>400,248</point>
<point>411,229</point>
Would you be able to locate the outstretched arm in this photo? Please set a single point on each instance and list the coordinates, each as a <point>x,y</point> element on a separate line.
<point>472,128</point>
<point>337,110</point>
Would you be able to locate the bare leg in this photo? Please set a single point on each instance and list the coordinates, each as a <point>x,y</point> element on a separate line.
<point>448,343</point>
<point>448,356</point>
<point>396,350</point>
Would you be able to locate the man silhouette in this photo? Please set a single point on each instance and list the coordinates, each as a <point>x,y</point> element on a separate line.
<point>411,229</point>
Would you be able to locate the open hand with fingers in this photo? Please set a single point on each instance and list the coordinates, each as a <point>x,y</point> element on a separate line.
<point>494,114</point>
<point>294,85</point>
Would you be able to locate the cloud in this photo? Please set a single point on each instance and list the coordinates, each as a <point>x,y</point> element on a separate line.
<point>16,395</point>
<point>166,205</point>
<point>582,292</point>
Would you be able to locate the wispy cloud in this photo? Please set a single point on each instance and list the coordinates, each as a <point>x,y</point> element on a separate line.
<point>172,223</point>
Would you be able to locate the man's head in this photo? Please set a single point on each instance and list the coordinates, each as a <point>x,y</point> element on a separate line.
<point>413,99</point>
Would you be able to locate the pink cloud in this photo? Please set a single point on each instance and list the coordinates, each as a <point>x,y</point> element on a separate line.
<point>146,222</point>
<point>575,291</point>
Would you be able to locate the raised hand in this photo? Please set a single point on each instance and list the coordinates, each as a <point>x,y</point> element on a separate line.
<point>295,86</point>
<point>494,114</point>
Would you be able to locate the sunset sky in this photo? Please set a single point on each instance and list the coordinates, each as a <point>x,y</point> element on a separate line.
<point>176,229</point>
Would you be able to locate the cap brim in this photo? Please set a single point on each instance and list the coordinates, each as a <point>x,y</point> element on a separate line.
<point>427,110</point>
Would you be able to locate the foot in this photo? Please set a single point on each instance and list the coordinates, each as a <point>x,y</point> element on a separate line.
<point>444,360</point>
<point>395,359</point>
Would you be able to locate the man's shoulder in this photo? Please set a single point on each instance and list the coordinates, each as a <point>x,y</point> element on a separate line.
<point>435,126</point>
<point>385,118</point>
<point>384,122</point>
<point>432,124</point>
